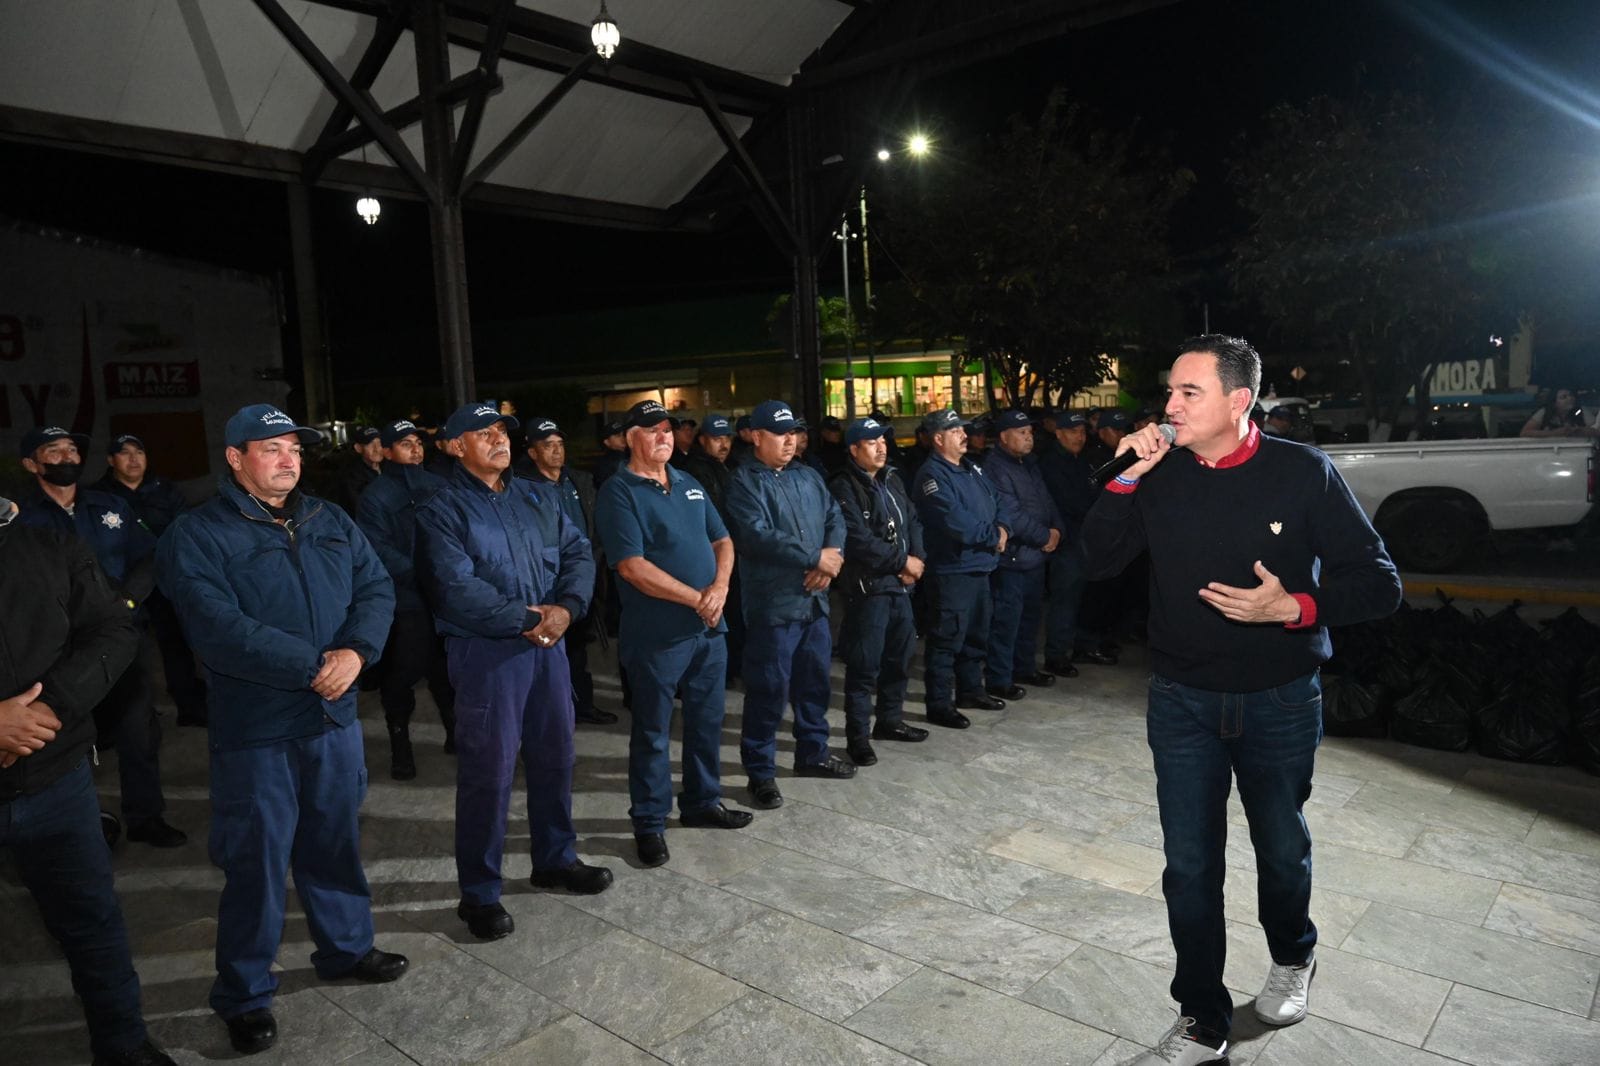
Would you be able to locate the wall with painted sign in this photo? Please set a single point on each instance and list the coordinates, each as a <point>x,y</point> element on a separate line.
<point>107,340</point>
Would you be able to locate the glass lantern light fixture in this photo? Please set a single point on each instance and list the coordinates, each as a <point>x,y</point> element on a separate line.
<point>604,33</point>
<point>368,208</point>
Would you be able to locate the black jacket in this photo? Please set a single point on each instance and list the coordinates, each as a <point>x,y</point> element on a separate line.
<point>156,502</point>
<point>712,475</point>
<point>61,626</point>
<point>881,530</point>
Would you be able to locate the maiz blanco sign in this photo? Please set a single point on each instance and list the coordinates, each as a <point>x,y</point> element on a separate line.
<point>1464,377</point>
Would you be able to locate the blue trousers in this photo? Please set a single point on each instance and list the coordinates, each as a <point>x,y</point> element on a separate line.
<point>1201,741</point>
<point>293,805</point>
<point>511,697</point>
<point>785,663</point>
<point>1014,636</point>
<point>879,638</point>
<point>1064,630</point>
<point>63,859</point>
<point>957,637</point>
<point>696,665</point>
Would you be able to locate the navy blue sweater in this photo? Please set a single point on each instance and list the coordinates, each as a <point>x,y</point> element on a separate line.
<point>1286,506</point>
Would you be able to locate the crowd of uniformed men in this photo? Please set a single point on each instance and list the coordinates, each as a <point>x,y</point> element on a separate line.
<point>714,551</point>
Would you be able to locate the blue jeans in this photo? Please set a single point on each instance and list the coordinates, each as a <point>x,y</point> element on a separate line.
<point>879,639</point>
<point>787,662</point>
<point>1064,632</point>
<point>1201,742</point>
<point>958,638</point>
<point>55,838</point>
<point>697,665</point>
<point>291,805</point>
<point>511,698</point>
<point>1014,636</point>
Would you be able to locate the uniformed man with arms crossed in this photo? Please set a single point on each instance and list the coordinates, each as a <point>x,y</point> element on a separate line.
<point>1256,547</point>
<point>673,557</point>
<point>506,572</point>
<point>285,602</point>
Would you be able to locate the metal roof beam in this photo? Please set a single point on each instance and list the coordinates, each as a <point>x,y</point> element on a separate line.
<point>488,60</point>
<point>401,117</point>
<point>519,133</point>
<point>384,38</point>
<point>769,210</point>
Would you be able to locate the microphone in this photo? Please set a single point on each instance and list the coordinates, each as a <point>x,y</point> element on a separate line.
<point>1129,457</point>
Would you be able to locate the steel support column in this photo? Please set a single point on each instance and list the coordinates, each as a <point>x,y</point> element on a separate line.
<point>807,329</point>
<point>445,226</point>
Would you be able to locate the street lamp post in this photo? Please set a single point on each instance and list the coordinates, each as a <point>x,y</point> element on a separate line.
<point>867,308</point>
<point>843,237</point>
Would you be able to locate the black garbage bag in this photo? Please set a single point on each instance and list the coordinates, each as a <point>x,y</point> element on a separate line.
<point>1353,708</point>
<point>1438,712</point>
<point>1585,725</point>
<point>1526,721</point>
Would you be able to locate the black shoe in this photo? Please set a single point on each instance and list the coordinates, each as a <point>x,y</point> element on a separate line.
<point>595,716</point>
<point>764,794</point>
<point>1095,656</point>
<point>1007,692</point>
<point>579,878</point>
<point>110,828</point>
<point>949,719</point>
<point>486,921</point>
<point>861,752</point>
<point>402,762</point>
<point>146,1054</point>
<point>1061,667</point>
<point>253,1031</point>
<point>980,701</point>
<point>1039,679</point>
<point>652,848</point>
<point>450,742</point>
<point>157,834</point>
<point>715,817</point>
<point>899,731</point>
<point>1110,647</point>
<point>378,967</point>
<point>835,768</point>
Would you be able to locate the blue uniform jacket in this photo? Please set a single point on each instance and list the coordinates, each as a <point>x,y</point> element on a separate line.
<point>484,558</point>
<point>1030,511</point>
<point>781,520</point>
<point>260,602</point>
<point>156,502</point>
<point>387,514</point>
<point>961,516</point>
<point>1067,476</point>
<point>122,546</point>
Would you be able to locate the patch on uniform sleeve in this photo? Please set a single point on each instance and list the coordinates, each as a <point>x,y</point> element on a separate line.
<point>929,487</point>
<point>111,520</point>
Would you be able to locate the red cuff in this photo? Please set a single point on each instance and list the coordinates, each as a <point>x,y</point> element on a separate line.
<point>1308,611</point>
<point>1121,488</point>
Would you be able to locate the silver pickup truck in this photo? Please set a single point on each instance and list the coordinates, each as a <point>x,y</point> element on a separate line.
<point>1434,502</point>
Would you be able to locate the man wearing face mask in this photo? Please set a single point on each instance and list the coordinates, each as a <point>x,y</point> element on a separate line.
<point>124,550</point>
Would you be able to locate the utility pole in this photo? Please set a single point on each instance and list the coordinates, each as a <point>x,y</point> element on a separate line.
<point>868,311</point>
<point>843,237</point>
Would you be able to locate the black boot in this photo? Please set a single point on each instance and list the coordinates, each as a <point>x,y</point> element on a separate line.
<point>402,764</point>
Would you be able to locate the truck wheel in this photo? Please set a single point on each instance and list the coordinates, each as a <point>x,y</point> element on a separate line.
<point>1433,536</point>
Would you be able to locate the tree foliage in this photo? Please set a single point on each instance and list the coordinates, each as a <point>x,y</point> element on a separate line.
<point>1038,252</point>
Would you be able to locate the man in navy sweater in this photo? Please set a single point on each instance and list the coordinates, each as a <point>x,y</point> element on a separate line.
<point>1256,547</point>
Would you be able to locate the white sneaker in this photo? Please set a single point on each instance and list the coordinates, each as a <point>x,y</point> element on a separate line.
<point>1179,1048</point>
<point>1283,1000</point>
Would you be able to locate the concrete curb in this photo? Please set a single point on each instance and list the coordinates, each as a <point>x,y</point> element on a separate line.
<point>1559,595</point>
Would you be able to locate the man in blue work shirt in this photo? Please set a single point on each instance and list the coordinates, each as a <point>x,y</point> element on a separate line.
<point>883,559</point>
<point>124,549</point>
<point>790,536</point>
<point>1017,584</point>
<point>285,602</point>
<point>964,531</point>
<point>574,490</point>
<point>673,558</point>
<point>506,572</point>
<point>387,514</point>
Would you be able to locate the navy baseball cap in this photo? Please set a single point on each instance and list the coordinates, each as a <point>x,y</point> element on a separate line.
<point>1012,419</point>
<point>939,421</point>
<point>1281,412</point>
<point>544,429</point>
<point>120,441</point>
<point>865,429</point>
<point>717,426</point>
<point>830,422</point>
<point>647,413</point>
<point>39,436</point>
<point>612,428</point>
<point>774,416</point>
<point>802,426</point>
<point>475,416</point>
<point>1115,418</point>
<point>262,421</point>
<point>742,423</point>
<point>1069,419</point>
<point>366,435</point>
<point>393,433</point>
<point>691,423</point>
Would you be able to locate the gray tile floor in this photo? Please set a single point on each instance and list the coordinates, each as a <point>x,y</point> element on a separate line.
<point>989,896</point>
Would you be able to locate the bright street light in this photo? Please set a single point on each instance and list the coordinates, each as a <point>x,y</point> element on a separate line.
<point>883,155</point>
<point>918,144</point>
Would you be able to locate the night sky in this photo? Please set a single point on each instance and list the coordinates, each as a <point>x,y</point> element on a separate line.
<point>1195,76</point>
